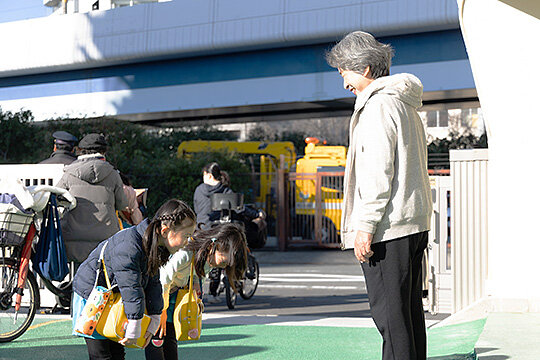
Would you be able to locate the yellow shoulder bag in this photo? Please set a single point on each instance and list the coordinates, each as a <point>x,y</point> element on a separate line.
<point>188,313</point>
<point>113,321</point>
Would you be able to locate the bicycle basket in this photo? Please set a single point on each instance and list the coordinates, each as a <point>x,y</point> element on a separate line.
<point>14,225</point>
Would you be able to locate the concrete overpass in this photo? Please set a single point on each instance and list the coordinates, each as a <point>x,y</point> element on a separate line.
<point>221,61</point>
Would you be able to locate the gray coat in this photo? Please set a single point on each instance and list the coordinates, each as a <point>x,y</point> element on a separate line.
<point>60,157</point>
<point>97,186</point>
<point>202,203</point>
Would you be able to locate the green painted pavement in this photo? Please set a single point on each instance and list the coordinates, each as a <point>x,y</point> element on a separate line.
<point>53,341</point>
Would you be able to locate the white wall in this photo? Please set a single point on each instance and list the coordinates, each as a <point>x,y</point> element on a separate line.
<point>500,40</point>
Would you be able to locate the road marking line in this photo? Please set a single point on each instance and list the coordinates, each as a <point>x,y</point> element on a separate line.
<point>319,287</point>
<point>330,276</point>
<point>47,323</point>
<point>302,280</point>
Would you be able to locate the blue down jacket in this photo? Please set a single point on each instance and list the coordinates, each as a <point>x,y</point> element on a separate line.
<point>126,264</point>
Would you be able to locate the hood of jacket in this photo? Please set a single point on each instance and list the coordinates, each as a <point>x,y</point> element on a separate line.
<point>90,169</point>
<point>208,190</point>
<point>405,87</point>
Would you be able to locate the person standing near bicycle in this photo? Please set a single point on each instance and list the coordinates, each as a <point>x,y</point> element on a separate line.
<point>98,188</point>
<point>133,258</point>
<point>222,246</point>
<point>215,181</point>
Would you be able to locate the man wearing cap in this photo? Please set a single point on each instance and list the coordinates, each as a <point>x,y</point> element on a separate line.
<point>98,188</point>
<point>63,150</point>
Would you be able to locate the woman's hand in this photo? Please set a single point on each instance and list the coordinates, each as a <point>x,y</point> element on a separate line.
<point>162,329</point>
<point>362,246</point>
<point>127,342</point>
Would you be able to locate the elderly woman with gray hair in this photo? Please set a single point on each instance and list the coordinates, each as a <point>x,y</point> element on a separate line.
<point>387,199</point>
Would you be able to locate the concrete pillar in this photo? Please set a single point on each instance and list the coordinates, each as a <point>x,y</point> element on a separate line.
<point>502,42</point>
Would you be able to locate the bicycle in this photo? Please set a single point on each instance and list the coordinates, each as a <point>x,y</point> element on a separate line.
<point>19,291</point>
<point>245,287</point>
<point>229,205</point>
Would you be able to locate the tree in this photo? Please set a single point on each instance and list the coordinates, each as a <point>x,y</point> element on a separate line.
<point>146,155</point>
<point>16,136</point>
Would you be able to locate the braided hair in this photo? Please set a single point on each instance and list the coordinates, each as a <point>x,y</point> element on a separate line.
<point>228,238</point>
<point>173,214</point>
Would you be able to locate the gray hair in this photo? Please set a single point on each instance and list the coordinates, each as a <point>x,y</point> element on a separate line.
<point>357,51</point>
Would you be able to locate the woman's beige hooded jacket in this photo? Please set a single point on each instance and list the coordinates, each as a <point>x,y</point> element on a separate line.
<point>386,189</point>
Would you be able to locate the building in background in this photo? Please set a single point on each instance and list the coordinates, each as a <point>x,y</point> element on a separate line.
<point>84,6</point>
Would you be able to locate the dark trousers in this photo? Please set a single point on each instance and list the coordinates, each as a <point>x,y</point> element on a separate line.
<point>394,284</point>
<point>163,349</point>
<point>104,349</point>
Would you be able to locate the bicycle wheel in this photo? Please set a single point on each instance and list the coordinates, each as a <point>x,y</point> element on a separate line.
<point>11,326</point>
<point>249,283</point>
<point>230,295</point>
<point>64,299</point>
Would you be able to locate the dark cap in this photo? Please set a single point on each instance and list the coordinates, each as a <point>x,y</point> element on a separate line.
<point>63,137</point>
<point>93,142</point>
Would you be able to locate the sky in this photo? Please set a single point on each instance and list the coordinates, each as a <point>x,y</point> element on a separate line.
<point>14,10</point>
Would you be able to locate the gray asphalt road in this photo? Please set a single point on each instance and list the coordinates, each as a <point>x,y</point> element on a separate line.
<point>326,283</point>
<point>305,290</point>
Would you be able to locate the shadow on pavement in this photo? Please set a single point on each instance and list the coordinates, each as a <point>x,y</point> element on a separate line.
<point>215,338</point>
<point>482,350</point>
<point>470,356</point>
<point>70,352</point>
<point>29,341</point>
<point>345,306</point>
<point>58,352</point>
<point>216,352</point>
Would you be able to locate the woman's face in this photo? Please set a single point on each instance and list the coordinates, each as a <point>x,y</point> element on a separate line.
<point>355,82</point>
<point>208,178</point>
<point>176,238</point>
<point>220,259</point>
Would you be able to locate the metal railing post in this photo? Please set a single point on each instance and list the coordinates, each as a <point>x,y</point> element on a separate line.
<point>283,208</point>
<point>318,209</point>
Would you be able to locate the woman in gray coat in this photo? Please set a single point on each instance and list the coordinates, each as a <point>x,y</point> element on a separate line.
<point>98,188</point>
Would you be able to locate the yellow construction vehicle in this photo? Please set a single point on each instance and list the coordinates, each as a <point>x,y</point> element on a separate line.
<point>321,210</point>
<point>320,161</point>
<point>270,155</point>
